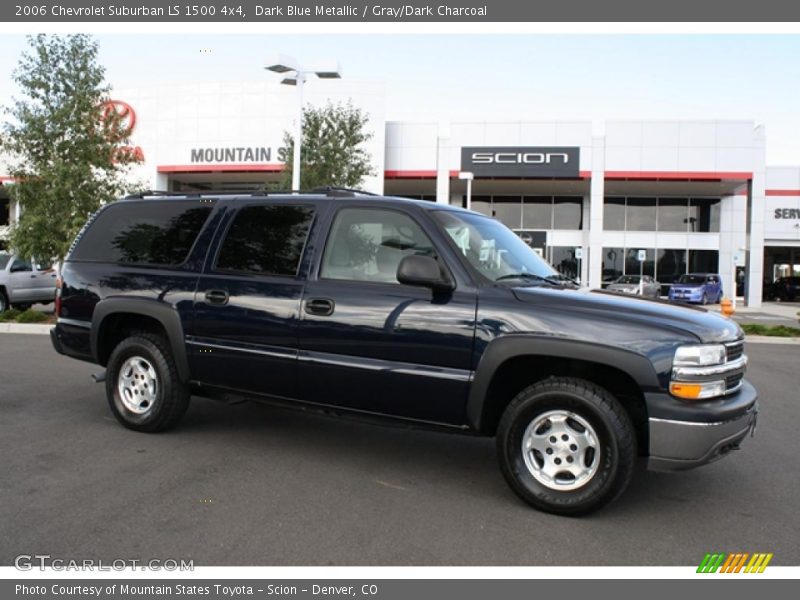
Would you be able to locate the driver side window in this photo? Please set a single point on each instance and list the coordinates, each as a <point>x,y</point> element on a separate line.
<point>368,245</point>
<point>20,266</point>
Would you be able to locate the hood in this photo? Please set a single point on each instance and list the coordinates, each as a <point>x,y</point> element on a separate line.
<point>641,313</point>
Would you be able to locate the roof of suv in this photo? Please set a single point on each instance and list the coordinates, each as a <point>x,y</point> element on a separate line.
<point>330,194</point>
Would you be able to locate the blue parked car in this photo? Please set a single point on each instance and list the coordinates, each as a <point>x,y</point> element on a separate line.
<point>701,288</point>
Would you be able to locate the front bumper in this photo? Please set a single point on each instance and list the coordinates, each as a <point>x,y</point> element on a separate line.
<point>677,444</point>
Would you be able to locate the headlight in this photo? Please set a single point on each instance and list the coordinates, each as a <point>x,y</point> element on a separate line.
<point>699,356</point>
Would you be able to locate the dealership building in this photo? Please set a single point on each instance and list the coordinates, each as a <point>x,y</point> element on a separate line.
<point>694,196</point>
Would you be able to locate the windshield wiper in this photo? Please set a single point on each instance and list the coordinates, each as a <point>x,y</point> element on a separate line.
<point>531,276</point>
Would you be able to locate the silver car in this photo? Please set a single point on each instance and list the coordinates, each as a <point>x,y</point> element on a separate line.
<point>645,286</point>
<point>23,282</point>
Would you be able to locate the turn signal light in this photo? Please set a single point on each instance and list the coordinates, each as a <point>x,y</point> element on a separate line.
<point>697,391</point>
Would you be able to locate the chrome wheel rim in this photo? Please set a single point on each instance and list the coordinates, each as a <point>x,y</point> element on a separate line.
<point>561,450</point>
<point>137,385</point>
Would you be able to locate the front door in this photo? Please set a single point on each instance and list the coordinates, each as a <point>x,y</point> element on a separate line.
<point>370,343</point>
<point>248,301</point>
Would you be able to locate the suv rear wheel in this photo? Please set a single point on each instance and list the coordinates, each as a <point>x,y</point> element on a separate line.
<point>566,446</point>
<point>142,384</point>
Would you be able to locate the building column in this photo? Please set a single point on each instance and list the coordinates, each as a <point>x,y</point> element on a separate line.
<point>756,205</point>
<point>442,170</point>
<point>596,197</point>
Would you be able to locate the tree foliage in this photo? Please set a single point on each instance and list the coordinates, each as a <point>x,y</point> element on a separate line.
<point>66,146</point>
<point>332,152</point>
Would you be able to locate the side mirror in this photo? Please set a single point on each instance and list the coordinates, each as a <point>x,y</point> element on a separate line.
<point>423,271</point>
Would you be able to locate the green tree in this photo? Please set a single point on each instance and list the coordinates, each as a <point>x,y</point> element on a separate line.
<point>332,153</point>
<point>68,147</point>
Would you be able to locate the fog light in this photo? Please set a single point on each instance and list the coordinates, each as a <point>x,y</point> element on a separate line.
<point>697,391</point>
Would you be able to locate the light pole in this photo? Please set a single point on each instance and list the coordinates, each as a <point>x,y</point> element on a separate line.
<point>298,75</point>
<point>468,176</point>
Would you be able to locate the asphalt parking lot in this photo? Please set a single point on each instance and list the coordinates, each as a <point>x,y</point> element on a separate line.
<point>255,485</point>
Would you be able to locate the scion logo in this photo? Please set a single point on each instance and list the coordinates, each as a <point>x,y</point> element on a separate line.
<point>513,161</point>
<point>519,158</point>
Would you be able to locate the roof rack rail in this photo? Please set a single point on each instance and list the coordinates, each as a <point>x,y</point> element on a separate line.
<point>332,190</point>
<point>327,191</point>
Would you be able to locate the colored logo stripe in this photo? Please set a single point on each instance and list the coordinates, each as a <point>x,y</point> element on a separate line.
<point>733,563</point>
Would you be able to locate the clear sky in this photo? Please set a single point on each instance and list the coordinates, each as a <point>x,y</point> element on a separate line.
<point>502,77</point>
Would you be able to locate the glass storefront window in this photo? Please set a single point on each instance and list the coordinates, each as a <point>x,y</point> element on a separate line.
<point>563,260</point>
<point>537,212</point>
<point>703,261</point>
<point>632,265</point>
<point>613,264</point>
<point>670,264</point>
<point>567,212</point>
<point>614,214</point>
<point>640,214</point>
<point>508,210</point>
<point>673,214</point>
<point>704,214</point>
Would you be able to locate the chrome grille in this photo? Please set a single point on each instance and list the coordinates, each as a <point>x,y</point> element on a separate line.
<point>734,350</point>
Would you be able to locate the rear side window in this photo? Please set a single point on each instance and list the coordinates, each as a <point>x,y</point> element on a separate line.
<point>144,233</point>
<point>266,240</point>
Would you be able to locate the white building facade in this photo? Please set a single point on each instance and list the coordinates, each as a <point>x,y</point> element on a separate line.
<point>695,196</point>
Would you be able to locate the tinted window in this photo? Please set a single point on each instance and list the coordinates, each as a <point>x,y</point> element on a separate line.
<point>567,213</point>
<point>368,245</point>
<point>148,233</point>
<point>20,264</point>
<point>641,214</point>
<point>4,258</point>
<point>267,240</point>
<point>508,210</point>
<point>672,214</point>
<point>537,212</point>
<point>704,214</point>
<point>614,214</point>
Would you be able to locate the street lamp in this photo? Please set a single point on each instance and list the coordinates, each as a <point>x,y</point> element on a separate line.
<point>297,76</point>
<point>468,176</point>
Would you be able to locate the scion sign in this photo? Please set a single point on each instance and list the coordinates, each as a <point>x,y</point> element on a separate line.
<point>512,161</point>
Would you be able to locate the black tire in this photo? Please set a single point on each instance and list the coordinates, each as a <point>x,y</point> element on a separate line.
<point>704,301</point>
<point>615,437</point>
<point>3,302</point>
<point>171,398</point>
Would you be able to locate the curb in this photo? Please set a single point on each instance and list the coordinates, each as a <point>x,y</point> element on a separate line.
<point>29,328</point>
<point>766,339</point>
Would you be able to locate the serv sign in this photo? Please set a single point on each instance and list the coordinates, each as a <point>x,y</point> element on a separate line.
<point>521,161</point>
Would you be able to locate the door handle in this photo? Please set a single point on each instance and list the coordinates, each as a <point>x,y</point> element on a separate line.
<point>217,297</point>
<point>322,307</point>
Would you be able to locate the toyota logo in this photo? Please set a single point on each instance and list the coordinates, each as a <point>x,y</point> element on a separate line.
<point>123,111</point>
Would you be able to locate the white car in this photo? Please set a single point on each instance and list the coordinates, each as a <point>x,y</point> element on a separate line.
<point>631,284</point>
<point>23,282</point>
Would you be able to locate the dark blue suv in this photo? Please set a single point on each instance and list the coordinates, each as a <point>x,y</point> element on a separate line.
<point>404,310</point>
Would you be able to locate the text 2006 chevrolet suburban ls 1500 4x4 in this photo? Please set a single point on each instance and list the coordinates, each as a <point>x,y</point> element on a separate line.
<point>400,309</point>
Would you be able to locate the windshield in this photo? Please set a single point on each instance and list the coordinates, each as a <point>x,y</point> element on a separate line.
<point>491,248</point>
<point>692,279</point>
<point>628,279</point>
<point>4,258</point>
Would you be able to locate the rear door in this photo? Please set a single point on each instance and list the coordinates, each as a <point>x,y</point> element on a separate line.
<point>21,280</point>
<point>44,281</point>
<point>247,302</point>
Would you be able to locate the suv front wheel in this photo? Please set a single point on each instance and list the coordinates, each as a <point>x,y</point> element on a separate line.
<point>566,446</point>
<point>142,384</point>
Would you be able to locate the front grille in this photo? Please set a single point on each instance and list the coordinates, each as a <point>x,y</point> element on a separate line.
<point>734,350</point>
<point>732,382</point>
